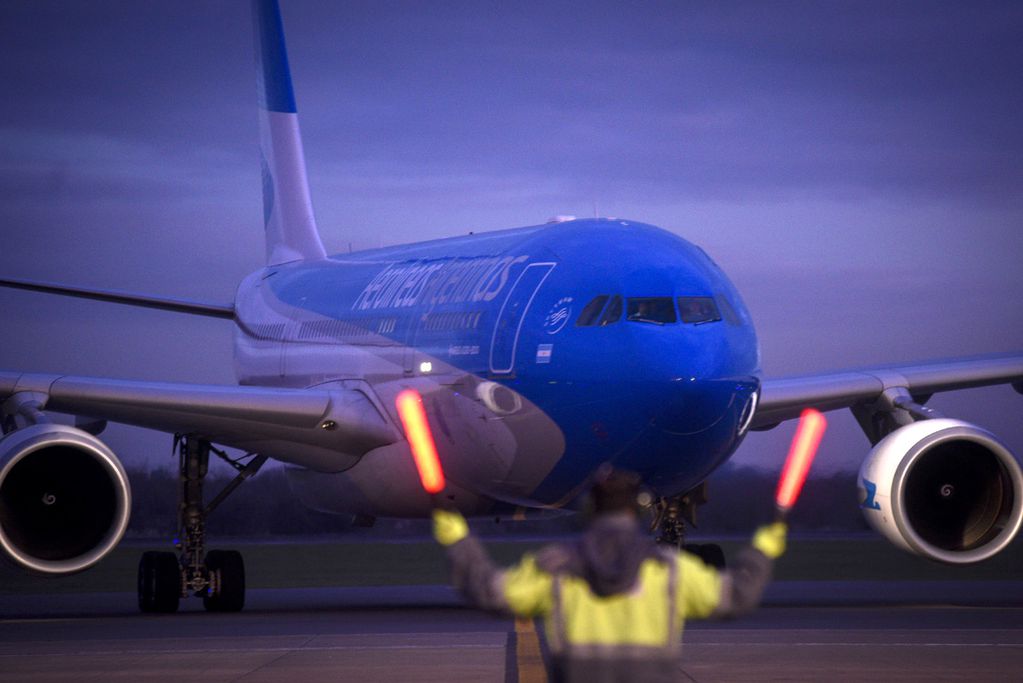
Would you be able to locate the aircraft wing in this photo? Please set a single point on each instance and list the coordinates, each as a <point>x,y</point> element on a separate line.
<point>785,398</point>
<point>327,429</point>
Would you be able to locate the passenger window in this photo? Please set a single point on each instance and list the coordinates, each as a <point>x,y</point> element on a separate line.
<point>613,312</point>
<point>592,311</point>
<point>698,309</point>
<point>652,309</point>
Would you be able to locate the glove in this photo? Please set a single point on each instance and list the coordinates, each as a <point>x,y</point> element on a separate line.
<point>770,539</point>
<point>449,527</point>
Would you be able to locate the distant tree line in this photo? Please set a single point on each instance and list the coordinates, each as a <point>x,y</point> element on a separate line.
<point>740,498</point>
<point>264,506</point>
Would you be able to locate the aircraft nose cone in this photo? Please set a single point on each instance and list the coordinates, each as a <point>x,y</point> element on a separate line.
<point>693,405</point>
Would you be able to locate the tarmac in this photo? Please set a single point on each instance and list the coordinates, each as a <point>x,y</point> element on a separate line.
<point>807,631</point>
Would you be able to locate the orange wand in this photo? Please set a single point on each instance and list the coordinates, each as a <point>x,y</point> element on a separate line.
<point>804,447</point>
<point>417,429</point>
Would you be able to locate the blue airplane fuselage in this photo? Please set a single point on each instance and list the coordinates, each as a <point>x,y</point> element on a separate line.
<point>535,350</point>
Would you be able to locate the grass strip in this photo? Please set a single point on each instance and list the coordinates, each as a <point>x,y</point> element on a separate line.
<point>421,562</point>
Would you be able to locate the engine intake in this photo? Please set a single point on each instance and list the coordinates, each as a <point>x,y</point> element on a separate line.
<point>64,498</point>
<point>944,489</point>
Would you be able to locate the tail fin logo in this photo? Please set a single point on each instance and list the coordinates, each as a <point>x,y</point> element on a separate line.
<point>289,225</point>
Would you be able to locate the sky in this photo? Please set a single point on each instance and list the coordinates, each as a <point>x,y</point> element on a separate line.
<point>854,167</point>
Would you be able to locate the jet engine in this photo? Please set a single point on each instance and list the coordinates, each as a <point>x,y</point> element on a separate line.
<point>64,498</point>
<point>944,489</point>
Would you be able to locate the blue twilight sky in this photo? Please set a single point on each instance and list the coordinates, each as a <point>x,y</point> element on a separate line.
<point>855,167</point>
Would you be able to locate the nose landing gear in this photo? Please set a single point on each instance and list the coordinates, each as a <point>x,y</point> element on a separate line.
<point>671,514</point>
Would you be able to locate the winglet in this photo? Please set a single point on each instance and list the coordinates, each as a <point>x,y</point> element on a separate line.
<point>291,233</point>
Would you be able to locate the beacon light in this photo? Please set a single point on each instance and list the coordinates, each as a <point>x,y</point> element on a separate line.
<point>417,430</point>
<point>804,447</point>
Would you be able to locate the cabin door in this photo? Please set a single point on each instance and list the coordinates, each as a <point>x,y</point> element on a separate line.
<point>513,312</point>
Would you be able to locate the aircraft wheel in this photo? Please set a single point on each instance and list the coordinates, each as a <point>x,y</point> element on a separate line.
<point>227,579</point>
<point>159,585</point>
<point>710,553</point>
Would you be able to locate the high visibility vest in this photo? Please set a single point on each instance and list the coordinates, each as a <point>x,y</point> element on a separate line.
<point>635,635</point>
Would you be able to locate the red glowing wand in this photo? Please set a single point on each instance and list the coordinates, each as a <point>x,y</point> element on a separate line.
<point>804,447</point>
<point>417,429</point>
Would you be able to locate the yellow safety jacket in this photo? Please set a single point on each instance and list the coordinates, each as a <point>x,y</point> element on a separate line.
<point>651,614</point>
<point>635,635</point>
<point>631,634</point>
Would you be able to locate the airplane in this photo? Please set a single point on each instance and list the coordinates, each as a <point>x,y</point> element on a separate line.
<point>539,358</point>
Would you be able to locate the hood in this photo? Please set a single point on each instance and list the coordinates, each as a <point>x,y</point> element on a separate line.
<point>611,551</point>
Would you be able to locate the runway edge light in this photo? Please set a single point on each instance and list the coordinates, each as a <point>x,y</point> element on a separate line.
<point>417,429</point>
<point>804,447</point>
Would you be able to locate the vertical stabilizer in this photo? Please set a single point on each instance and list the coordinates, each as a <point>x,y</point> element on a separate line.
<point>291,233</point>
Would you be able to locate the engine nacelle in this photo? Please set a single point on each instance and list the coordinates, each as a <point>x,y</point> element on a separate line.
<point>944,489</point>
<point>64,498</point>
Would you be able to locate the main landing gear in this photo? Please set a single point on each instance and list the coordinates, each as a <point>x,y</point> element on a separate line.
<point>670,518</point>
<point>217,576</point>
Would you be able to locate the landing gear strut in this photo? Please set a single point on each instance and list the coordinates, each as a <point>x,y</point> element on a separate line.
<point>670,519</point>
<point>217,576</point>
<point>669,522</point>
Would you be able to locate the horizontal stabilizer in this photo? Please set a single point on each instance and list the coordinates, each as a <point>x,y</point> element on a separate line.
<point>118,297</point>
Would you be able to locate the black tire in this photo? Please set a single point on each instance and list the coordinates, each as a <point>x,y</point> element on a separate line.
<point>159,584</point>
<point>227,575</point>
<point>710,553</point>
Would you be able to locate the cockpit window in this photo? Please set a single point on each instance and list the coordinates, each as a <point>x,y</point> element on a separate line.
<point>591,311</point>
<point>613,312</point>
<point>698,309</point>
<point>653,309</point>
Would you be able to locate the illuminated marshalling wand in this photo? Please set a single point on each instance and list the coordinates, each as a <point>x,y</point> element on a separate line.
<point>417,429</point>
<point>804,447</point>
